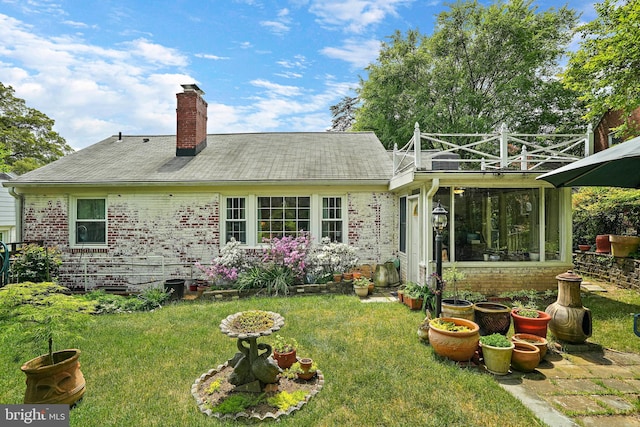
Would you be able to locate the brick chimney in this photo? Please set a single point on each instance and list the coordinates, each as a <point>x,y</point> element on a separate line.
<point>191,114</point>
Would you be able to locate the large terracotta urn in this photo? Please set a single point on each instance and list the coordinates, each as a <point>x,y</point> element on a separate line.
<point>570,321</point>
<point>59,383</point>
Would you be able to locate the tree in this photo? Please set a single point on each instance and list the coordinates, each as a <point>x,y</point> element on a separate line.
<point>483,66</point>
<point>343,114</point>
<point>27,140</point>
<point>604,70</point>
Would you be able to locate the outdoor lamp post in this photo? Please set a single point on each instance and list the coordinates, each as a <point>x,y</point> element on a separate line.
<point>439,220</point>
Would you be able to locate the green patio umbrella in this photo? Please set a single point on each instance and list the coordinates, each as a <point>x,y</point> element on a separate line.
<point>618,166</point>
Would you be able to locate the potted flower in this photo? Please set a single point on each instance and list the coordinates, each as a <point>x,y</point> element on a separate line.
<point>284,351</point>
<point>530,320</point>
<point>456,307</point>
<point>41,314</point>
<point>496,352</point>
<point>361,286</point>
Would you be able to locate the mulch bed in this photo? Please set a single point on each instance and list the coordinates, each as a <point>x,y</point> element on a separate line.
<point>261,411</point>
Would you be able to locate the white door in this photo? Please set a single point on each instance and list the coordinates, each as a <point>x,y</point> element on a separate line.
<point>413,234</point>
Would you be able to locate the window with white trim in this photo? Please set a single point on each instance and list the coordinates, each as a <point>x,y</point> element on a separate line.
<point>236,222</point>
<point>90,216</point>
<point>332,222</point>
<point>250,219</point>
<point>283,216</point>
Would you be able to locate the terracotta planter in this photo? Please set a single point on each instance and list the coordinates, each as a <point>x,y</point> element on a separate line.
<point>337,277</point>
<point>305,364</point>
<point>285,360</point>
<point>401,297</point>
<point>584,248</point>
<point>529,325</point>
<point>492,317</point>
<point>497,360</point>
<point>458,346</point>
<point>60,383</point>
<point>356,275</point>
<point>603,245</point>
<point>413,303</point>
<point>347,276</point>
<point>460,308</point>
<point>622,246</point>
<point>525,357</point>
<point>539,342</point>
<point>371,288</point>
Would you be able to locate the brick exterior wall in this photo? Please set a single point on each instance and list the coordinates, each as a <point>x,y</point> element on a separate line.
<point>610,119</point>
<point>180,227</point>
<point>491,280</point>
<point>373,226</point>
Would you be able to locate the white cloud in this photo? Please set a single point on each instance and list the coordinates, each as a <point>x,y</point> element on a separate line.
<point>209,56</point>
<point>355,15</point>
<point>280,25</point>
<point>359,53</point>
<point>275,89</point>
<point>92,92</point>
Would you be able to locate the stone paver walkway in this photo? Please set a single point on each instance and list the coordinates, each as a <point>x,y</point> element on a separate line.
<point>584,385</point>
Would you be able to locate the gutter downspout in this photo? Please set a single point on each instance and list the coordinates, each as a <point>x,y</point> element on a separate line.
<point>19,215</point>
<point>428,204</point>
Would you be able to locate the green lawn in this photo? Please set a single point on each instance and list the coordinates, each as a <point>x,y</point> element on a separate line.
<point>140,367</point>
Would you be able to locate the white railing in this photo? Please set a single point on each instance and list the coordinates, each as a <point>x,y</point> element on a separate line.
<point>496,151</point>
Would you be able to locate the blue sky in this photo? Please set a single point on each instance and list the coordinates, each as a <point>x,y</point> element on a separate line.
<point>101,67</point>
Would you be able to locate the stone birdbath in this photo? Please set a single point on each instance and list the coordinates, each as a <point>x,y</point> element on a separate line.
<point>252,367</point>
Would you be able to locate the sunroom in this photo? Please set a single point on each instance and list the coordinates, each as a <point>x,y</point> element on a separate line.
<point>505,229</point>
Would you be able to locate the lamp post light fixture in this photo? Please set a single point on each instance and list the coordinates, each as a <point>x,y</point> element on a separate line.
<point>439,221</point>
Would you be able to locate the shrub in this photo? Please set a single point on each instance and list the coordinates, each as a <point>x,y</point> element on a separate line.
<point>599,210</point>
<point>41,314</point>
<point>35,263</point>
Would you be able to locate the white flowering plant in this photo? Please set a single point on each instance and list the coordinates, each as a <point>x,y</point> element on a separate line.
<point>331,257</point>
<point>225,268</point>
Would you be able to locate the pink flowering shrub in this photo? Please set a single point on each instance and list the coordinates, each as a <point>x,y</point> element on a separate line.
<point>289,252</point>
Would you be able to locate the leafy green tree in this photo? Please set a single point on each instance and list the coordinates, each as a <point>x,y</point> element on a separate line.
<point>483,66</point>
<point>27,140</point>
<point>605,69</point>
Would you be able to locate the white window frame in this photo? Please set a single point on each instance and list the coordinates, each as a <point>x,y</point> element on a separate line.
<point>251,203</point>
<point>73,219</point>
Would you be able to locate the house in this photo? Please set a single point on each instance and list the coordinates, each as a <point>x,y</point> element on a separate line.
<point>150,206</point>
<point>604,137</point>
<point>7,211</point>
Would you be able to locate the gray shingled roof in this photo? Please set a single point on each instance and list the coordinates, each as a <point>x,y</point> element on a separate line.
<point>320,157</point>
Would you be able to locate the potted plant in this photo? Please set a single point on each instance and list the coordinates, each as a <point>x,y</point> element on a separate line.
<point>361,286</point>
<point>530,320</point>
<point>284,351</point>
<point>454,338</point>
<point>456,307</point>
<point>417,296</point>
<point>496,352</point>
<point>41,314</point>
